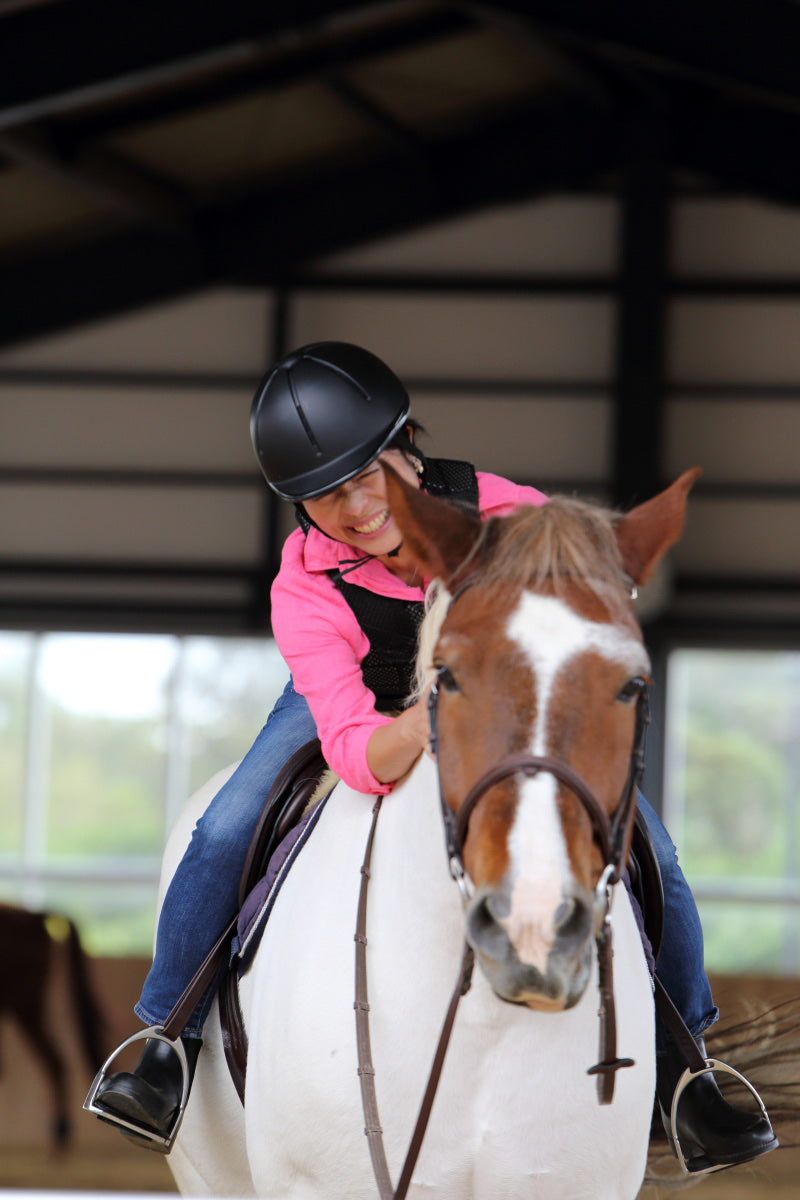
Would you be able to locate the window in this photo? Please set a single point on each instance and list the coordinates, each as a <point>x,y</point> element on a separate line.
<point>732,801</point>
<point>102,739</point>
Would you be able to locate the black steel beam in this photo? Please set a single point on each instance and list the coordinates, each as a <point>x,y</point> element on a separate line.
<point>748,48</point>
<point>641,320</point>
<point>273,65</point>
<point>534,149</point>
<point>56,56</point>
<point>269,236</point>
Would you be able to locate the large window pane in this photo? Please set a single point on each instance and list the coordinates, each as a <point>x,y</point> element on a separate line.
<point>107,706</point>
<point>732,791</point>
<point>228,688</point>
<point>102,739</point>
<point>16,658</point>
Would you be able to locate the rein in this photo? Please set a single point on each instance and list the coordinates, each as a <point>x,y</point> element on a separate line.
<point>366,1071</point>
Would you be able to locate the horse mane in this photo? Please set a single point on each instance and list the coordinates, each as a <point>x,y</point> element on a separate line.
<point>539,548</point>
<point>565,541</point>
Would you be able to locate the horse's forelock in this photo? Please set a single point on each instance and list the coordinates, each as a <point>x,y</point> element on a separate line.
<point>549,546</point>
<point>565,541</point>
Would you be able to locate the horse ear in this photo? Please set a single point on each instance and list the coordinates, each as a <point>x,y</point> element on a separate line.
<point>438,535</point>
<point>646,533</point>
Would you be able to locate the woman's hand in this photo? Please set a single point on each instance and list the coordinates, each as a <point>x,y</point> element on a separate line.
<point>393,749</point>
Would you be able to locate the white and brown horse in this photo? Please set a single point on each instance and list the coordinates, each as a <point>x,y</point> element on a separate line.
<point>540,663</point>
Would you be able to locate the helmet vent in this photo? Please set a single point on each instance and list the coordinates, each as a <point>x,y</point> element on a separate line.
<point>299,409</point>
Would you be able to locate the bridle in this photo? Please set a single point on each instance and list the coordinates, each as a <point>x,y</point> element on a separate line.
<point>611,834</point>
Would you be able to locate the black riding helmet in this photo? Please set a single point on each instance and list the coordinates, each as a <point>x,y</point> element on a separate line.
<point>321,415</point>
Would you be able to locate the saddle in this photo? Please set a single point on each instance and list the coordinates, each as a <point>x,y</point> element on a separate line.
<point>283,810</point>
<point>645,883</point>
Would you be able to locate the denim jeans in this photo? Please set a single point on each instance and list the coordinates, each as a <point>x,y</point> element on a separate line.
<point>679,965</point>
<point>202,897</point>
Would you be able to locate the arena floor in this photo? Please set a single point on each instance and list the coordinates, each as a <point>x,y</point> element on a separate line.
<point>126,1169</point>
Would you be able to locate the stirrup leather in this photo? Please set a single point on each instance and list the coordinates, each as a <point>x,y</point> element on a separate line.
<point>712,1064</point>
<point>164,1144</point>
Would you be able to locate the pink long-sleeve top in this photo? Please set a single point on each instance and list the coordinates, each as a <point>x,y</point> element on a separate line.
<point>323,644</point>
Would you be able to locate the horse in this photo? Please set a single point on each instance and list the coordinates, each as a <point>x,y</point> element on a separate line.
<point>28,942</point>
<point>540,663</point>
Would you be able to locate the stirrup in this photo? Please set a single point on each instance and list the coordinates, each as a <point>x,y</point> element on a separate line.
<point>712,1064</point>
<point>158,1142</point>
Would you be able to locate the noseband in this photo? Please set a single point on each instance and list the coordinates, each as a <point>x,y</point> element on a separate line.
<point>612,836</point>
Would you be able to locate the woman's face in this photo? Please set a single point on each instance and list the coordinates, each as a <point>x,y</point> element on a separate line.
<point>357,512</point>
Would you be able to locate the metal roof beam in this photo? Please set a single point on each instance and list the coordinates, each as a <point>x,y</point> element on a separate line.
<point>145,50</point>
<point>272,234</point>
<point>106,179</point>
<point>748,48</point>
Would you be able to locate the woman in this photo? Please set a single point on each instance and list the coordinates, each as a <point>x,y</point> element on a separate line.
<point>346,605</point>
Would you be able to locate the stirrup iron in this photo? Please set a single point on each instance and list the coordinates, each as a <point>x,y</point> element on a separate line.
<point>158,1142</point>
<point>712,1064</point>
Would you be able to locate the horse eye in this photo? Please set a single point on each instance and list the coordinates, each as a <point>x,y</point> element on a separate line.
<point>632,690</point>
<point>446,679</point>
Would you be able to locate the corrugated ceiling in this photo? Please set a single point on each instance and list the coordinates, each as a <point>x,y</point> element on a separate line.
<point>151,149</point>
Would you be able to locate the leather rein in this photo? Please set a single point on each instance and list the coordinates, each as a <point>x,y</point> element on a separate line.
<point>613,837</point>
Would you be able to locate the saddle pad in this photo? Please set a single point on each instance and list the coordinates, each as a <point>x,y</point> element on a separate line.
<point>259,903</point>
<point>638,917</point>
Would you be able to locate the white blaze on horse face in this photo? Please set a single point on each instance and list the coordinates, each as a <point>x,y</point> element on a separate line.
<point>550,634</point>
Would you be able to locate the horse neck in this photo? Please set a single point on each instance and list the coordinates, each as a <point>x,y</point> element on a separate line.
<point>409,859</point>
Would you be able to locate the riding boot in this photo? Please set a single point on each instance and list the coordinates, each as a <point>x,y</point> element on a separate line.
<point>150,1095</point>
<point>712,1133</point>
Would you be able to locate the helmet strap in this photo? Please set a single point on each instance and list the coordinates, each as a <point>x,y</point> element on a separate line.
<point>304,520</point>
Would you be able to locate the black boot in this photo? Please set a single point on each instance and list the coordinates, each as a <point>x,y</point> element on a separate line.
<point>150,1095</point>
<point>712,1133</point>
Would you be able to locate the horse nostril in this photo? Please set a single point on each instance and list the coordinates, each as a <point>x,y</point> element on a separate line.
<point>483,931</point>
<point>572,918</point>
<point>498,905</point>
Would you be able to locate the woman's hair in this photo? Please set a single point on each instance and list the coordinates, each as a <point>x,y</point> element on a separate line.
<point>405,439</point>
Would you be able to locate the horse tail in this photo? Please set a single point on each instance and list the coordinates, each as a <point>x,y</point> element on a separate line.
<point>89,1014</point>
<point>761,1041</point>
<point>763,1044</point>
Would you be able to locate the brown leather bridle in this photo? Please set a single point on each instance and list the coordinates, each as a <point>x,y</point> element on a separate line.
<point>612,835</point>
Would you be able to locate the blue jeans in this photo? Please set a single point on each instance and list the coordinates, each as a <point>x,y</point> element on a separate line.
<point>679,965</point>
<point>203,895</point>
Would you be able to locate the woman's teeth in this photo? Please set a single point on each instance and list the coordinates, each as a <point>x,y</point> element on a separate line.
<point>375,524</point>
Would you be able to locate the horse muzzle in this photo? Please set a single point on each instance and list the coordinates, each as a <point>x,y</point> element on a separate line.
<point>543,965</point>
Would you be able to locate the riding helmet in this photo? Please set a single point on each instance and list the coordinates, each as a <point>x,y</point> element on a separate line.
<point>321,415</point>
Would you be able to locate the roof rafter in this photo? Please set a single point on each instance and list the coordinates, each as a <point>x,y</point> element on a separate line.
<point>105,178</point>
<point>139,47</point>
<point>72,283</point>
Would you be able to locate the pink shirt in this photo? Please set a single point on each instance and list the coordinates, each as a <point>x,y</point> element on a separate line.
<point>320,639</point>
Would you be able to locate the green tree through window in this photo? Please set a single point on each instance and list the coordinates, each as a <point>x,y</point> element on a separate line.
<point>102,738</point>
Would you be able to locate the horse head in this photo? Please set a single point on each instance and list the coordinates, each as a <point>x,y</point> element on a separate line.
<point>539,657</point>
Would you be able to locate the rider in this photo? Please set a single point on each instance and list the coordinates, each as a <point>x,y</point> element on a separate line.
<point>346,605</point>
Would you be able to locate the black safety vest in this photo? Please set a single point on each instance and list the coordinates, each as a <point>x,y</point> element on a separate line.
<point>390,624</point>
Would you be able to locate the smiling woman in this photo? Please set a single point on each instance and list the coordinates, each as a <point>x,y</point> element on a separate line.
<point>357,512</point>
